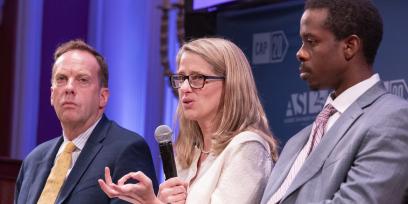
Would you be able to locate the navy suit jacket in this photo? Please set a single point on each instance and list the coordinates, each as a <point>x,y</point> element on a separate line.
<point>109,145</point>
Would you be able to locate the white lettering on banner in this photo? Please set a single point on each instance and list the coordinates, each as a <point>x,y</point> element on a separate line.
<point>397,87</point>
<point>270,47</point>
<point>302,107</point>
<point>260,48</point>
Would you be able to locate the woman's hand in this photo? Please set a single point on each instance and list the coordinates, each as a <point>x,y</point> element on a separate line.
<point>173,190</point>
<point>139,193</point>
<point>107,185</point>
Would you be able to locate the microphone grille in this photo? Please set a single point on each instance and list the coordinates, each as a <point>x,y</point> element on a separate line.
<point>163,133</point>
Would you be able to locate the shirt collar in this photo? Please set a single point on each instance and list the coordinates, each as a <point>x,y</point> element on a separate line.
<point>83,137</point>
<point>350,95</point>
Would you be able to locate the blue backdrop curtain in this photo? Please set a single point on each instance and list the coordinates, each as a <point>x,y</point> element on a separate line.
<point>127,33</point>
<point>26,78</point>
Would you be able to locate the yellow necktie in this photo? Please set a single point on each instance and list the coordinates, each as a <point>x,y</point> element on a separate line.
<point>57,176</point>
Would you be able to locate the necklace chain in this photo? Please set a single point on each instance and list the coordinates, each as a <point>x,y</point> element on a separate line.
<point>205,152</point>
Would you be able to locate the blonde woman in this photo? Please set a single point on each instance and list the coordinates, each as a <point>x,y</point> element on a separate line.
<point>224,150</point>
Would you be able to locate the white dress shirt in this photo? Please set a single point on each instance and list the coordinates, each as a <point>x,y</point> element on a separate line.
<point>79,142</point>
<point>348,97</point>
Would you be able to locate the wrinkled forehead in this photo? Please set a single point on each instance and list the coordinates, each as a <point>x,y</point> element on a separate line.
<point>76,60</point>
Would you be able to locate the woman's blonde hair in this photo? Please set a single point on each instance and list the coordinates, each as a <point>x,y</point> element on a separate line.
<point>240,108</point>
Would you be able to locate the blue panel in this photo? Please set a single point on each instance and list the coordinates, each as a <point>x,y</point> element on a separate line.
<point>26,78</point>
<point>269,36</point>
<point>127,34</point>
<point>121,37</point>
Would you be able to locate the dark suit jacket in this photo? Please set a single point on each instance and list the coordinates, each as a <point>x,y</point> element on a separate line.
<point>363,158</point>
<point>109,145</point>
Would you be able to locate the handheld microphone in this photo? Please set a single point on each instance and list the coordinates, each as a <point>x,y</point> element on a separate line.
<point>163,137</point>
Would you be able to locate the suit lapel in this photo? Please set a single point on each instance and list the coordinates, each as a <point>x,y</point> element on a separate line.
<point>41,172</point>
<point>285,161</point>
<point>317,158</point>
<point>87,155</point>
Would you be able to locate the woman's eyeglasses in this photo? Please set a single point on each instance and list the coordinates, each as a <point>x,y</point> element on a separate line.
<point>196,81</point>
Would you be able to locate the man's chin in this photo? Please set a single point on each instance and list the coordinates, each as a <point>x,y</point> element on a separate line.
<point>68,118</point>
<point>314,88</point>
<point>318,87</point>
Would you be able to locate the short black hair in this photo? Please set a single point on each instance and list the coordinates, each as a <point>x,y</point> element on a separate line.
<point>353,17</point>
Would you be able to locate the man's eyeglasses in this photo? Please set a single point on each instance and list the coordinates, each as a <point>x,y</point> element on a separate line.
<point>196,81</point>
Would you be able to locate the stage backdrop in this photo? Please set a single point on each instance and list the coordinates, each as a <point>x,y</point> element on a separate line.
<point>269,36</point>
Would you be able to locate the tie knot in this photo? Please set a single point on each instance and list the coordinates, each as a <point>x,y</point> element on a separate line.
<point>327,111</point>
<point>70,147</point>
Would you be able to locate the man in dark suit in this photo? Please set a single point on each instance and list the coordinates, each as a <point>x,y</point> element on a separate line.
<point>79,94</point>
<point>357,149</point>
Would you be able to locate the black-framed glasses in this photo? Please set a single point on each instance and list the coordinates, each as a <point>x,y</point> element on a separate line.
<point>196,81</point>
